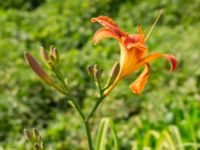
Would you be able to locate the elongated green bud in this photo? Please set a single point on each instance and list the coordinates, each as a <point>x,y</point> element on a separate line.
<point>35,133</point>
<point>90,70</point>
<point>39,138</point>
<point>28,135</point>
<point>113,74</point>
<point>97,73</point>
<point>37,146</point>
<point>44,54</point>
<point>51,50</point>
<point>54,53</point>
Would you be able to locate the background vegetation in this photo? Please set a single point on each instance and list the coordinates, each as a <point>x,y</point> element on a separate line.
<point>168,99</point>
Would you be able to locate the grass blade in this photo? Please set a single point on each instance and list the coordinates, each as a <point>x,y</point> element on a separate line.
<point>101,137</point>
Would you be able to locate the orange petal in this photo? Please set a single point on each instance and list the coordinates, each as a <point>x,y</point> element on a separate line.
<point>140,49</point>
<point>138,85</point>
<point>109,23</point>
<point>37,69</point>
<point>104,33</point>
<point>169,57</point>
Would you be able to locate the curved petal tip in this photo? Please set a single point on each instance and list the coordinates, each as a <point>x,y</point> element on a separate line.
<point>93,20</point>
<point>104,33</point>
<point>172,59</point>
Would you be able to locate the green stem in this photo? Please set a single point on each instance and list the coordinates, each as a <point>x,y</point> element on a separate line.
<point>78,109</point>
<point>85,121</point>
<point>87,128</point>
<point>95,107</point>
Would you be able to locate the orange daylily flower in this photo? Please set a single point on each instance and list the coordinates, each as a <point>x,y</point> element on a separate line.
<point>133,53</point>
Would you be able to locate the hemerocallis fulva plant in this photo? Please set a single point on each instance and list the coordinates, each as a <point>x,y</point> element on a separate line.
<point>133,56</point>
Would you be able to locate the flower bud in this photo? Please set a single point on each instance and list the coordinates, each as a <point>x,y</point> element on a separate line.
<point>54,53</point>
<point>39,138</point>
<point>35,133</point>
<point>97,73</point>
<point>51,50</point>
<point>37,69</point>
<point>37,146</point>
<point>44,54</point>
<point>28,135</point>
<point>113,74</point>
<point>90,70</point>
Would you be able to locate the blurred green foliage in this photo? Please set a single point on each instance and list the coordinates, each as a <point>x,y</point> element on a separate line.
<point>168,99</point>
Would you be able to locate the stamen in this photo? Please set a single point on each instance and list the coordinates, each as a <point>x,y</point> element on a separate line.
<point>152,27</point>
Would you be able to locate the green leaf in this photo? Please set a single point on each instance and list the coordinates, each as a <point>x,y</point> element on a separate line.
<point>101,137</point>
<point>176,136</point>
<point>165,141</point>
<point>149,135</point>
<point>114,135</point>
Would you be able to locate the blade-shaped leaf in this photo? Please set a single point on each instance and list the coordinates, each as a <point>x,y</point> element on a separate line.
<point>101,137</point>
<point>114,135</point>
